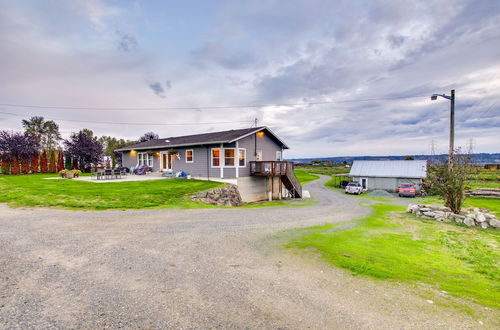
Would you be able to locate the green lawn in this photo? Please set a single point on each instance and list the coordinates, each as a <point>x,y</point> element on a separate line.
<point>392,245</point>
<point>305,177</point>
<point>34,190</point>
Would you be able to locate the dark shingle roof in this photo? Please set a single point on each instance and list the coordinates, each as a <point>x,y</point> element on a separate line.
<point>198,139</point>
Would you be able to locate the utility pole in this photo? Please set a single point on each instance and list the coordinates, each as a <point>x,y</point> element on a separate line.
<point>452,122</point>
<point>452,125</point>
<point>255,121</point>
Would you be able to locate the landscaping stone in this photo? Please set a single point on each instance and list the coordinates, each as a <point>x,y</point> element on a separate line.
<point>226,196</point>
<point>494,223</point>
<point>470,217</point>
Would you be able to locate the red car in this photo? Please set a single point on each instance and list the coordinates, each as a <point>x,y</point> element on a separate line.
<point>407,190</point>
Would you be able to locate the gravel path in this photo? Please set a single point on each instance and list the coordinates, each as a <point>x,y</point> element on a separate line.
<point>208,268</point>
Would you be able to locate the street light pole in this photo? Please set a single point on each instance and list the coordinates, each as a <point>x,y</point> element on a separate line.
<point>452,126</point>
<point>452,122</point>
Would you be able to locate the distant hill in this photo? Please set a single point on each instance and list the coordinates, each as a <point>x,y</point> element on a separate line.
<point>481,158</point>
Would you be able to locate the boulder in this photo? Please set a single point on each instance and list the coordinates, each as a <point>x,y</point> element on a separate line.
<point>484,225</point>
<point>469,221</point>
<point>489,216</point>
<point>429,214</point>
<point>480,217</point>
<point>412,208</point>
<point>494,223</point>
<point>424,209</point>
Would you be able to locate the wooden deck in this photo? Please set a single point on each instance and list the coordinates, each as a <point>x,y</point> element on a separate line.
<point>281,169</point>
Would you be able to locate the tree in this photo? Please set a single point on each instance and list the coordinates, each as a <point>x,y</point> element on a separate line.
<point>110,144</point>
<point>67,162</point>
<point>448,179</point>
<point>17,147</point>
<point>409,158</point>
<point>52,163</point>
<point>148,136</point>
<point>43,162</point>
<point>45,132</point>
<point>84,149</point>
<point>60,161</point>
<point>34,166</point>
<point>25,167</point>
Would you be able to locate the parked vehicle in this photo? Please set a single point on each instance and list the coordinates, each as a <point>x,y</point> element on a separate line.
<point>354,188</point>
<point>407,190</point>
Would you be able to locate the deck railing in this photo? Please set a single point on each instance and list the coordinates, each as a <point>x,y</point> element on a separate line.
<point>269,168</point>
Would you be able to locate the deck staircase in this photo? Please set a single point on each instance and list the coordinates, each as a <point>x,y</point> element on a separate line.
<point>281,169</point>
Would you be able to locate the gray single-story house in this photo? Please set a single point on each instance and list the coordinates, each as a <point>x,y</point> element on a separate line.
<point>251,158</point>
<point>388,174</point>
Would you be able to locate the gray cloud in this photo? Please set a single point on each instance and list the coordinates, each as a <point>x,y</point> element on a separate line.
<point>126,42</point>
<point>160,89</point>
<point>222,56</point>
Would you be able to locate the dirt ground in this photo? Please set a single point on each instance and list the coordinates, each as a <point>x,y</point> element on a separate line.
<point>207,268</point>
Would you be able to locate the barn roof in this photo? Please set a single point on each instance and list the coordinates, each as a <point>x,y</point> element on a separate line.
<point>389,168</point>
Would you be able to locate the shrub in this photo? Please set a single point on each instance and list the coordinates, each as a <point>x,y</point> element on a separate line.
<point>43,162</point>
<point>5,166</point>
<point>63,173</point>
<point>25,167</point>
<point>67,162</point>
<point>34,165</point>
<point>52,163</point>
<point>60,161</point>
<point>14,165</point>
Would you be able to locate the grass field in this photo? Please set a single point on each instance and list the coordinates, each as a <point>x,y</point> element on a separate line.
<point>34,190</point>
<point>392,245</point>
<point>482,178</point>
<point>305,176</point>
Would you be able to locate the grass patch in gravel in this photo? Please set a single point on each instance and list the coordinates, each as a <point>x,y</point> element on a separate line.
<point>34,190</point>
<point>391,245</point>
<point>305,177</point>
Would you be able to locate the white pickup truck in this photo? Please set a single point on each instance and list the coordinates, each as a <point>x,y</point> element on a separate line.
<point>354,188</point>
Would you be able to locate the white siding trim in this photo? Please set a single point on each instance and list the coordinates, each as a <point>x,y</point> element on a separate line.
<point>237,159</point>
<point>192,156</point>
<point>221,160</point>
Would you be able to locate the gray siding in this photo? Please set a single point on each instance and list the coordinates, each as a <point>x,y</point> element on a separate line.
<point>200,164</point>
<point>389,184</point>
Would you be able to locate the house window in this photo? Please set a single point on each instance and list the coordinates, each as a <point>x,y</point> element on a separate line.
<point>189,156</point>
<point>229,157</point>
<point>279,156</point>
<point>242,157</point>
<point>215,157</point>
<point>145,159</point>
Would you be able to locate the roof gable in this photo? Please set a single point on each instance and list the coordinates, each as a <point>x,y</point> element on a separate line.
<point>201,139</point>
<point>389,168</point>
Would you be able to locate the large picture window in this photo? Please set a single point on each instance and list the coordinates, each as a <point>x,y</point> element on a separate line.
<point>189,156</point>
<point>229,157</point>
<point>145,159</point>
<point>215,157</point>
<point>242,157</point>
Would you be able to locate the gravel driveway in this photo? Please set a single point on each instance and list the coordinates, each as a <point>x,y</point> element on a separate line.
<point>207,268</point>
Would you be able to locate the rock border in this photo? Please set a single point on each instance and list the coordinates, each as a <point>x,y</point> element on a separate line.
<point>225,196</point>
<point>469,217</point>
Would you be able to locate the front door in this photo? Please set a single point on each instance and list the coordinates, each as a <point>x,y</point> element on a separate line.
<point>166,164</point>
<point>364,183</point>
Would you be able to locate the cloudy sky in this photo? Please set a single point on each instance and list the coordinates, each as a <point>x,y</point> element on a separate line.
<point>330,77</point>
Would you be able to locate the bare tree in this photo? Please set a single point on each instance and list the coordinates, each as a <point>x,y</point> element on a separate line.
<point>448,179</point>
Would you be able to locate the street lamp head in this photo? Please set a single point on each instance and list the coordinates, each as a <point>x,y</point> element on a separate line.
<point>434,97</point>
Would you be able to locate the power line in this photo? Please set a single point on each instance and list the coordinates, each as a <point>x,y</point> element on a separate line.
<point>207,107</point>
<point>135,124</point>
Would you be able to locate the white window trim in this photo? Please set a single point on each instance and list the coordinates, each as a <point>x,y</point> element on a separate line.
<point>281,155</point>
<point>192,156</point>
<point>221,156</point>
<point>145,161</point>
<point>234,158</point>
<point>245,163</point>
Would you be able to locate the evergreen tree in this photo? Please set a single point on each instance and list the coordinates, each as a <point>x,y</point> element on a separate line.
<point>52,163</point>
<point>43,162</point>
<point>60,161</point>
<point>14,165</point>
<point>34,165</point>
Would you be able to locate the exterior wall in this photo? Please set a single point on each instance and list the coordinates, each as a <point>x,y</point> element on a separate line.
<point>252,188</point>
<point>389,184</point>
<point>264,143</point>
<point>202,157</point>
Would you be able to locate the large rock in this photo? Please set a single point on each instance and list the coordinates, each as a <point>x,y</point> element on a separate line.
<point>469,221</point>
<point>480,217</point>
<point>226,196</point>
<point>494,223</point>
<point>429,214</point>
<point>484,225</point>
<point>412,208</point>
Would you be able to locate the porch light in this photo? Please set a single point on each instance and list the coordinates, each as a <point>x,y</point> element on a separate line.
<point>260,134</point>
